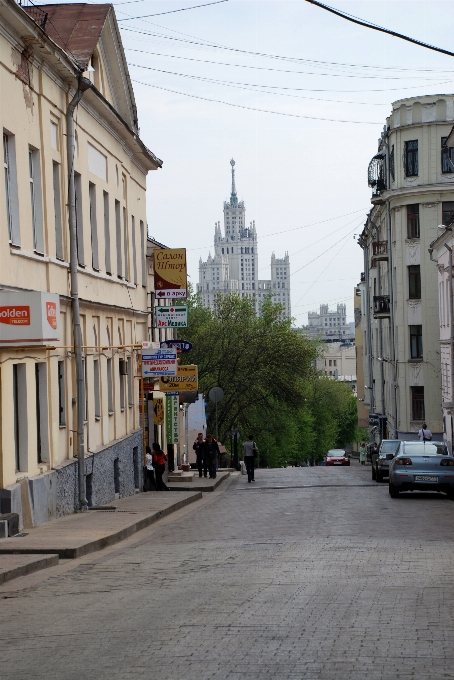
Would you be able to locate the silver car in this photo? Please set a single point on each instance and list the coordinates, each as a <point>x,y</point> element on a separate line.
<point>422,466</point>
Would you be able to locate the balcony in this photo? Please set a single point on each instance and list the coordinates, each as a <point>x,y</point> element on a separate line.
<point>380,250</point>
<point>381,307</point>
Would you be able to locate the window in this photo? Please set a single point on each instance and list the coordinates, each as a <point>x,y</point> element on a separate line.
<point>42,438</point>
<point>79,222</point>
<point>411,158</point>
<point>416,342</point>
<point>61,394</point>
<point>142,253</point>
<point>413,221</point>
<point>417,403</point>
<point>59,254</point>
<point>447,212</point>
<point>11,195</point>
<point>126,243</point>
<point>130,382</point>
<point>107,232</point>
<point>447,157</point>
<point>54,135</point>
<point>414,282</point>
<point>35,199</point>
<point>110,404</point>
<point>20,416</point>
<point>392,167</point>
<point>118,234</point>
<point>122,388</point>
<point>93,227</point>
<point>97,386</point>
<point>134,248</point>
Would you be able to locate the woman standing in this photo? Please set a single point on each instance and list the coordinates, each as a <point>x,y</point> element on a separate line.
<point>362,453</point>
<point>159,464</point>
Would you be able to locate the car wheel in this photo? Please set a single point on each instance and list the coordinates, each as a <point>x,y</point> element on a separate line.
<point>450,494</point>
<point>373,473</point>
<point>393,492</point>
<point>378,477</point>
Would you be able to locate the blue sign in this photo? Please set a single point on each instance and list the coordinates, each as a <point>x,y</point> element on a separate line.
<point>179,345</point>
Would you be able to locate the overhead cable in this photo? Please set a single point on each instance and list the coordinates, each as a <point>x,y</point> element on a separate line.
<point>173,11</point>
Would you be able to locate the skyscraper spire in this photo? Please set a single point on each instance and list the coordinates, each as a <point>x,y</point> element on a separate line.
<point>233,196</point>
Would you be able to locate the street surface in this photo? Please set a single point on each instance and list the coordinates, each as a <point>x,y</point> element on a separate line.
<point>306,574</point>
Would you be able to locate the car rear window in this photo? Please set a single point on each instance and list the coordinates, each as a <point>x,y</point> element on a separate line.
<point>389,447</point>
<point>427,449</point>
<point>336,454</point>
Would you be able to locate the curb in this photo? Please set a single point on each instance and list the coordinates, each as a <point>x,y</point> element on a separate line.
<point>105,541</point>
<point>194,487</point>
<point>28,568</point>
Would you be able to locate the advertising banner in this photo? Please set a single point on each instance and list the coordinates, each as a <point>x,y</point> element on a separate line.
<point>158,408</point>
<point>157,361</point>
<point>179,345</point>
<point>172,419</point>
<point>29,318</point>
<point>186,380</point>
<point>170,273</point>
<point>171,317</point>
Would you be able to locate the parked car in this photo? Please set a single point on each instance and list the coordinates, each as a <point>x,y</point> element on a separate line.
<point>422,466</point>
<point>336,457</point>
<point>380,461</point>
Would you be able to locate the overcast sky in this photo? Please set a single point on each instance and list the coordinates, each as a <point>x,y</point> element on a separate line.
<point>303,179</point>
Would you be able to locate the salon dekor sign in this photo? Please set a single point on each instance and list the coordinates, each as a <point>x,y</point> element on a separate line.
<point>29,318</point>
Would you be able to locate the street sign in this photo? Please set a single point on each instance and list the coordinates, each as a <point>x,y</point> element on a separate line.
<point>216,394</point>
<point>158,408</point>
<point>179,345</point>
<point>157,361</point>
<point>170,274</point>
<point>172,419</point>
<point>186,380</point>
<point>171,317</point>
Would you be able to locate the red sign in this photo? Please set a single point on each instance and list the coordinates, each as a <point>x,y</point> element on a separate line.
<point>15,315</point>
<point>51,313</point>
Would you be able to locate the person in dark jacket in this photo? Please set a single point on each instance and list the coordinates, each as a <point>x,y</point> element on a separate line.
<point>198,447</point>
<point>149,480</point>
<point>211,452</point>
<point>159,464</point>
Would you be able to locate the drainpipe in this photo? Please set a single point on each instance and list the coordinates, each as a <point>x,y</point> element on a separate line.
<point>450,322</point>
<point>365,248</point>
<point>83,85</point>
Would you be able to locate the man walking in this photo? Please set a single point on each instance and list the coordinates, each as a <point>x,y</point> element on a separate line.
<point>198,447</point>
<point>424,434</point>
<point>210,453</point>
<point>250,451</point>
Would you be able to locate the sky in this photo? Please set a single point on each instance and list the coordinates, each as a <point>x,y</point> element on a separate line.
<point>305,97</point>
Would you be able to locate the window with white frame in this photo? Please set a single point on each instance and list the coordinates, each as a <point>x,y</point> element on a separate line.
<point>35,199</point>
<point>11,194</point>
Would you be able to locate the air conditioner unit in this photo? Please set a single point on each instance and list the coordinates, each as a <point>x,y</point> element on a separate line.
<point>123,367</point>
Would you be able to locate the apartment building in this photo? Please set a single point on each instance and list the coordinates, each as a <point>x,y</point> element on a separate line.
<point>44,52</point>
<point>362,375</point>
<point>329,325</point>
<point>412,180</point>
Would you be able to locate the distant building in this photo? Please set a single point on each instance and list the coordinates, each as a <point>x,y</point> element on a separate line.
<point>339,361</point>
<point>331,326</point>
<point>234,266</point>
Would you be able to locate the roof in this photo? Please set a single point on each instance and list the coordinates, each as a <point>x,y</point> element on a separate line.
<point>76,28</point>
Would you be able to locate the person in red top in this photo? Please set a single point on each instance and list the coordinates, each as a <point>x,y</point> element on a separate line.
<point>159,464</point>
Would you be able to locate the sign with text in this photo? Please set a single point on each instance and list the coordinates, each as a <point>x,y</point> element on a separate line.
<point>158,408</point>
<point>171,317</point>
<point>179,345</point>
<point>172,419</point>
<point>186,380</point>
<point>29,318</point>
<point>170,273</point>
<point>157,361</point>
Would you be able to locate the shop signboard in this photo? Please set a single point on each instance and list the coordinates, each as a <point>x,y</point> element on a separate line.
<point>179,345</point>
<point>172,418</point>
<point>157,361</point>
<point>171,317</point>
<point>158,409</point>
<point>186,380</point>
<point>29,318</point>
<point>170,273</point>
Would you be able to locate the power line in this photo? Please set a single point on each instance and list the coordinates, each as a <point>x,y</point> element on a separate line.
<point>251,108</point>
<point>173,11</point>
<point>375,27</point>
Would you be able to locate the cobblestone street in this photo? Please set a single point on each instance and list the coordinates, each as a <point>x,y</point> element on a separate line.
<point>306,574</point>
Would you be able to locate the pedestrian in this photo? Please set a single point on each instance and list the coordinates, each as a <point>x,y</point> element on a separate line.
<point>250,452</point>
<point>198,447</point>
<point>424,434</point>
<point>159,464</point>
<point>362,453</point>
<point>149,479</point>
<point>210,453</point>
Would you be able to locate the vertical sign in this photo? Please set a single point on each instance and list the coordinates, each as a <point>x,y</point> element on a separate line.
<point>172,419</point>
<point>170,275</point>
<point>158,407</point>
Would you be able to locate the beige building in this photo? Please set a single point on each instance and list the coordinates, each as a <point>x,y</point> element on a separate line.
<point>413,192</point>
<point>43,53</point>
<point>338,360</point>
<point>360,330</point>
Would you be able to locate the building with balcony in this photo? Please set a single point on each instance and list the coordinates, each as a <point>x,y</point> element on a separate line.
<point>412,182</point>
<point>47,54</point>
<point>234,265</point>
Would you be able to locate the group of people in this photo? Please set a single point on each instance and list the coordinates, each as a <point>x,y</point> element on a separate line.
<point>207,453</point>
<point>156,465</point>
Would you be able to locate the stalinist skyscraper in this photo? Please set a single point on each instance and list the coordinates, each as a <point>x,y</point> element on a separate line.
<point>234,266</point>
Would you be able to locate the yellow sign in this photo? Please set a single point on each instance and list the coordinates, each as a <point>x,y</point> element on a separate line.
<point>158,408</point>
<point>185,381</point>
<point>170,273</point>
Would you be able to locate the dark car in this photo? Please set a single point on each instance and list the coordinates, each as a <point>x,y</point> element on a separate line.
<point>380,463</point>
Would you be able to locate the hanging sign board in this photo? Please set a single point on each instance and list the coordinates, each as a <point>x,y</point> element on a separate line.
<point>29,318</point>
<point>157,361</point>
<point>171,317</point>
<point>170,273</point>
<point>158,408</point>
<point>179,345</point>
<point>186,380</point>
<point>172,419</point>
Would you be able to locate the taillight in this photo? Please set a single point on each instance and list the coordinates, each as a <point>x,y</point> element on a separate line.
<point>403,461</point>
<point>447,461</point>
